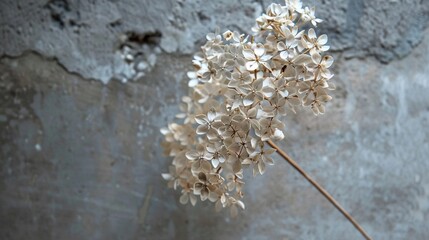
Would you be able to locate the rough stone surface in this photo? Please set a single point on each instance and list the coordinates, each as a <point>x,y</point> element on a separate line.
<point>80,158</point>
<point>384,29</point>
<point>86,36</point>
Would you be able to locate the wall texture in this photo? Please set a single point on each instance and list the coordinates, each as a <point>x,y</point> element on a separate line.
<point>86,85</point>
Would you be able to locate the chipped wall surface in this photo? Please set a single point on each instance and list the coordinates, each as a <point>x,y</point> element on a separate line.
<point>87,37</point>
<point>86,85</point>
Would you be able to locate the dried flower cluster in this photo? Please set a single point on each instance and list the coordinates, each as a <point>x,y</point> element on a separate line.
<point>240,87</point>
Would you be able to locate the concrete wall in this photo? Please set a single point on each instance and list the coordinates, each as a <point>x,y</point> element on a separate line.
<point>79,125</point>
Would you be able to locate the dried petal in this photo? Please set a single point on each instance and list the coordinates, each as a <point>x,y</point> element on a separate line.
<point>184,198</point>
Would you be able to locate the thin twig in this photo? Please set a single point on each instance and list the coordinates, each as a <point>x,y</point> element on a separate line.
<point>320,189</point>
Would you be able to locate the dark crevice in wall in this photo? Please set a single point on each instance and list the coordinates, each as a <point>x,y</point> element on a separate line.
<point>148,38</point>
<point>63,15</point>
<point>59,10</point>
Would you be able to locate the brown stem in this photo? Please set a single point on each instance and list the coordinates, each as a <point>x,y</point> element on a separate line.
<point>320,189</point>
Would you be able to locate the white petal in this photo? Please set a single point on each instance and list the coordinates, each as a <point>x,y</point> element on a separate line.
<point>321,109</point>
<point>197,188</point>
<point>261,167</point>
<point>202,129</point>
<point>248,54</point>
<point>164,131</point>
<point>211,115</point>
<point>286,31</point>
<point>238,118</point>
<point>215,162</point>
<point>213,197</point>
<point>247,161</point>
<point>193,82</point>
<point>204,194</point>
<point>193,199</point>
<point>210,36</point>
<point>255,169</point>
<point>167,176</point>
<point>268,91</point>
<point>322,40</point>
<point>181,115</point>
<point>259,51</point>
<point>255,124</point>
<point>301,59</point>
<point>328,61</point>
<point>192,155</point>
<point>241,204</point>
<point>269,151</point>
<point>200,119</point>
<point>284,93</point>
<point>265,58</point>
<point>311,33</point>
<point>284,55</point>
<point>217,124</point>
<point>278,135</point>
<point>269,161</point>
<point>266,65</point>
<point>294,100</point>
<point>248,100</point>
<point>252,112</point>
<point>325,98</point>
<point>255,155</point>
<point>192,75</point>
<point>237,166</point>
<point>252,65</point>
<point>315,56</point>
<point>290,72</point>
<point>324,48</point>
<point>281,46</point>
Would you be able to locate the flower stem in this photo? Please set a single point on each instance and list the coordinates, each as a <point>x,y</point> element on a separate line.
<point>320,189</point>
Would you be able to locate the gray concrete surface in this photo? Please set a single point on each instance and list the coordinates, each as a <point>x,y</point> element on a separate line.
<point>80,153</point>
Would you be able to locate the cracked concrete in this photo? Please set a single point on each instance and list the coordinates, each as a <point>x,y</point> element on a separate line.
<point>85,35</point>
<point>80,152</point>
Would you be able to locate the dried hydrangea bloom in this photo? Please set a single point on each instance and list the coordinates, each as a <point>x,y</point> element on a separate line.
<point>240,87</point>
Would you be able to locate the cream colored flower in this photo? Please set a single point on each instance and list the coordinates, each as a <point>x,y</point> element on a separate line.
<point>256,57</point>
<point>240,87</point>
<point>308,15</point>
